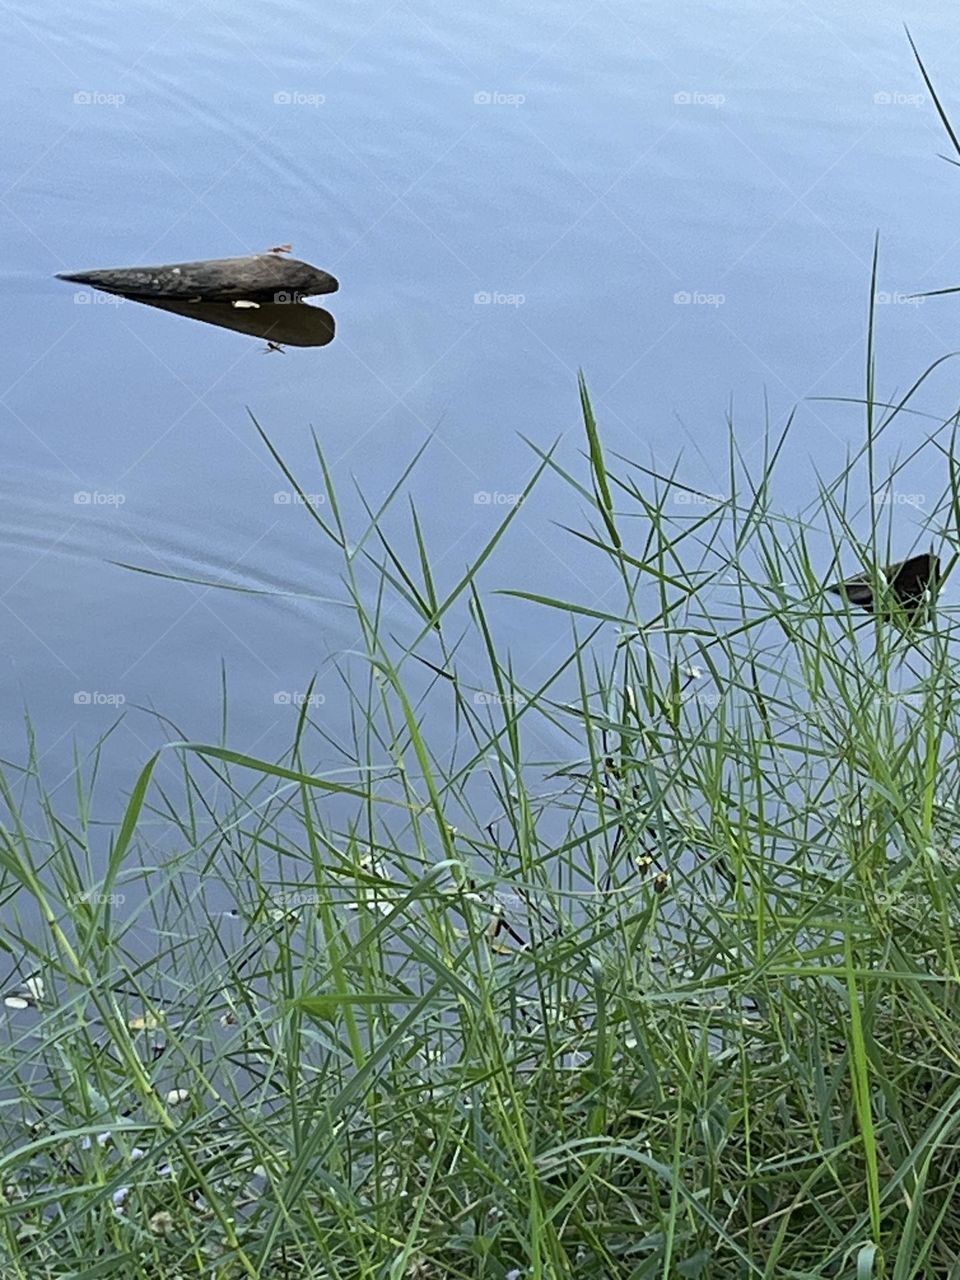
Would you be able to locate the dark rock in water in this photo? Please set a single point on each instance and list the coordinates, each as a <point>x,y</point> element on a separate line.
<point>264,277</point>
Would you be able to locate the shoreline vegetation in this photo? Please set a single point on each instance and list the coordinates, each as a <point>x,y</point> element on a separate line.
<point>681,1003</point>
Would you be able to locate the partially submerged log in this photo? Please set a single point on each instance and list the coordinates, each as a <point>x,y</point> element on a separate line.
<point>263,277</point>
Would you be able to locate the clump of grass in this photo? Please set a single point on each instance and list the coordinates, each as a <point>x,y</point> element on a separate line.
<point>680,1002</point>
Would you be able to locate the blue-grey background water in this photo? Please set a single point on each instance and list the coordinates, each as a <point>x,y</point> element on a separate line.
<point>682,201</point>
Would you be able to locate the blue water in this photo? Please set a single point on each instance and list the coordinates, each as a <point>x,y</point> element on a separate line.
<point>680,200</point>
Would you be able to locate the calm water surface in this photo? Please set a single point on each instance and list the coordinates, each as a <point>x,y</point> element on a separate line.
<point>681,200</point>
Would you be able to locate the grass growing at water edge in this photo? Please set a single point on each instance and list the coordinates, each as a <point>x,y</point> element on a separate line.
<point>680,1002</point>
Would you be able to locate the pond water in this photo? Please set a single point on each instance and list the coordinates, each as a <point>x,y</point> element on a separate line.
<point>680,200</point>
